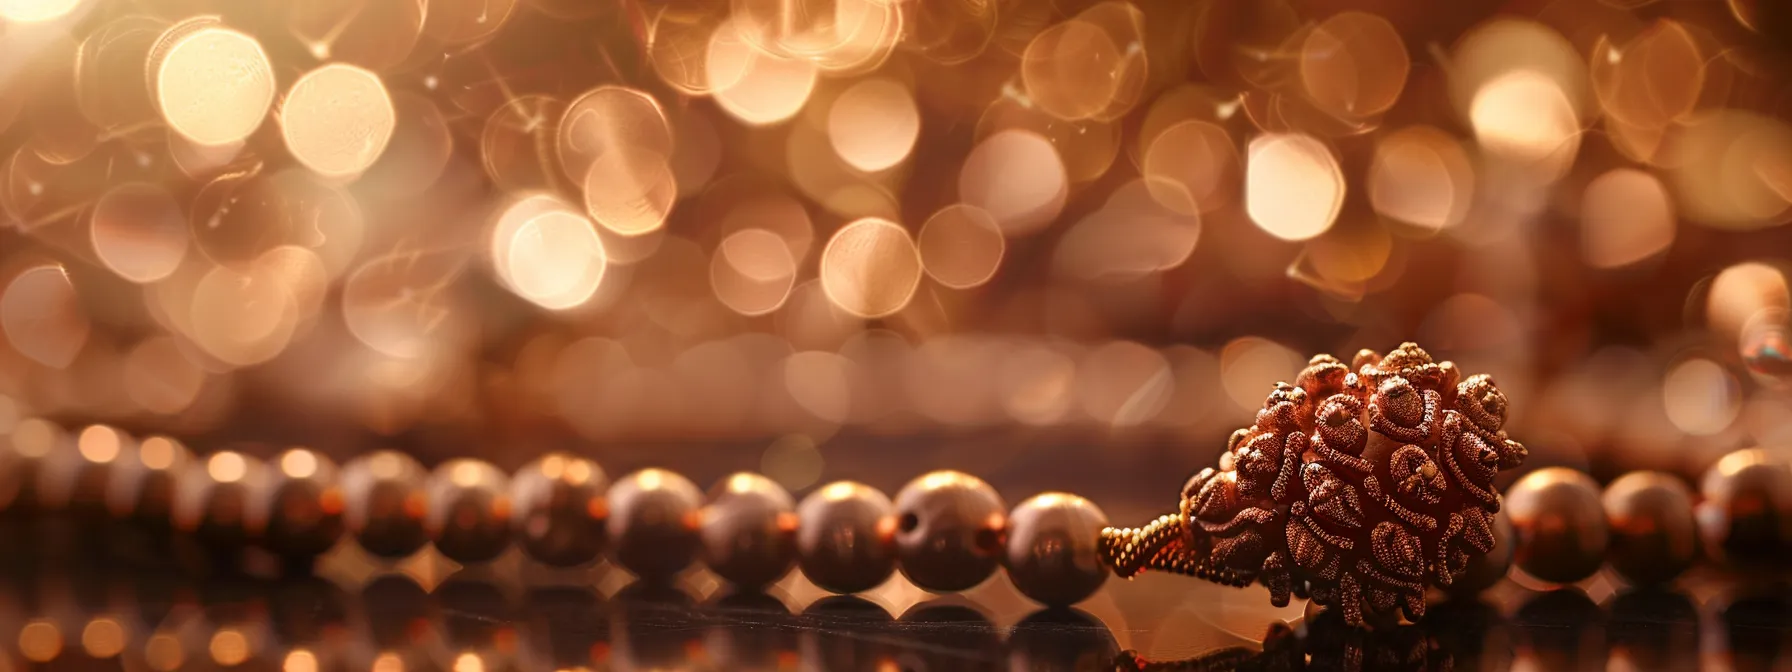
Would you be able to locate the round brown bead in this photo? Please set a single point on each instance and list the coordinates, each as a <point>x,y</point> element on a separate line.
<point>1653,534</point>
<point>384,503</point>
<point>142,484</point>
<point>211,498</point>
<point>749,531</point>
<point>1485,570</point>
<point>297,510</point>
<point>653,523</point>
<point>1745,516</point>
<point>469,510</point>
<point>949,528</point>
<point>558,509</point>
<point>1558,523</point>
<point>846,537</point>
<point>1051,550</point>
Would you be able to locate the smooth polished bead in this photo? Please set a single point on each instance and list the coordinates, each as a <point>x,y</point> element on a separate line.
<point>1654,537</point>
<point>1558,523</point>
<point>76,479</point>
<point>749,531</point>
<point>949,528</point>
<point>469,510</point>
<point>654,516</point>
<point>1485,570</point>
<point>558,509</point>
<point>1051,550</point>
<point>1745,514</point>
<point>846,537</point>
<point>142,485</point>
<point>296,511</point>
<point>211,499</point>
<point>384,503</point>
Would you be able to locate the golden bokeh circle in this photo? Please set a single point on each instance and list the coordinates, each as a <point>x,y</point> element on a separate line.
<point>874,124</point>
<point>630,193</point>
<point>752,272</point>
<point>214,85</point>
<point>607,120</point>
<point>961,246</point>
<point>36,11</point>
<point>1069,69</point>
<point>547,253</point>
<point>1294,188</point>
<point>337,119</point>
<point>870,268</point>
<point>1018,177</point>
<point>139,232</point>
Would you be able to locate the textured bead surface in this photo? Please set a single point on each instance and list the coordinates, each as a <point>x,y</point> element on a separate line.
<point>1358,485</point>
<point>846,537</point>
<point>1558,523</point>
<point>141,488</point>
<point>1051,549</point>
<point>469,510</point>
<point>653,523</point>
<point>1485,570</point>
<point>1745,514</point>
<point>297,510</point>
<point>211,498</point>
<point>749,531</point>
<point>558,509</point>
<point>384,503</point>
<point>949,528</point>
<point>1653,535</point>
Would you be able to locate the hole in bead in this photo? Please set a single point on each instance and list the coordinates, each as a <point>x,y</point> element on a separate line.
<point>908,522</point>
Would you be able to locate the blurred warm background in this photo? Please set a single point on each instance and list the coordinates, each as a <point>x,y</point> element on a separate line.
<point>1063,243</point>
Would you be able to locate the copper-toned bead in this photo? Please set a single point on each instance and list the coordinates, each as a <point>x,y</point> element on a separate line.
<point>1485,570</point>
<point>654,516</point>
<point>1558,523</point>
<point>749,531</point>
<point>77,479</point>
<point>469,510</point>
<point>297,510</point>
<point>846,537</point>
<point>558,509</point>
<point>949,528</point>
<point>1745,515</point>
<point>1654,537</point>
<point>1051,551</point>
<point>384,503</point>
<point>211,499</point>
<point>142,484</point>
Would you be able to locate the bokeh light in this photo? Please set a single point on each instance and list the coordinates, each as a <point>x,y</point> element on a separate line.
<point>1421,175</point>
<point>35,11</point>
<point>870,268</point>
<point>961,246</point>
<point>42,316</point>
<point>548,254</point>
<point>1294,188</point>
<point>1018,178</point>
<point>337,119</point>
<point>213,85</point>
<point>1626,217</point>
<point>139,232</point>
<point>873,124</point>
